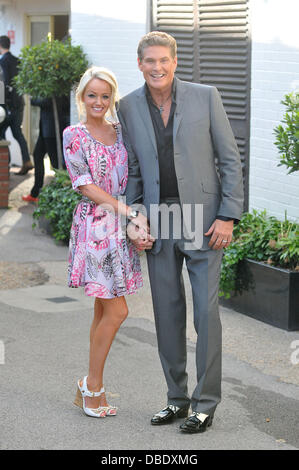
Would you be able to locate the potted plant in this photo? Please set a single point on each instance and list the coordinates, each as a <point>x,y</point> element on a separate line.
<point>260,270</point>
<point>49,70</point>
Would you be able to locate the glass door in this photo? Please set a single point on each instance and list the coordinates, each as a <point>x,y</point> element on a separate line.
<point>38,29</point>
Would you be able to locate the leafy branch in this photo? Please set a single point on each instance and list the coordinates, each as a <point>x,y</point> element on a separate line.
<point>49,70</point>
<point>287,136</point>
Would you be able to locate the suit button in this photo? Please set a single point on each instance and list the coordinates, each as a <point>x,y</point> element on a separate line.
<point>157,181</point>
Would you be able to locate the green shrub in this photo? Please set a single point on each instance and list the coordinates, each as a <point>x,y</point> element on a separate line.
<point>287,136</point>
<point>56,203</point>
<point>261,238</point>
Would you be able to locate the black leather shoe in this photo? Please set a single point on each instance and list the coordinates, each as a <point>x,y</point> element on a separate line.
<point>25,168</point>
<point>168,414</point>
<point>195,424</point>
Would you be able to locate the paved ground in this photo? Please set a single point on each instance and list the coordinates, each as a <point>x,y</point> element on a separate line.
<point>44,328</point>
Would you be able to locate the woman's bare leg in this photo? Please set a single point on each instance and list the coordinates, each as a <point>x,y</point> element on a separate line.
<point>109,315</point>
<point>98,313</point>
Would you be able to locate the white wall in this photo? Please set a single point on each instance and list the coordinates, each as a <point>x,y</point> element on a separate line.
<point>109,32</point>
<point>13,17</point>
<point>275,72</point>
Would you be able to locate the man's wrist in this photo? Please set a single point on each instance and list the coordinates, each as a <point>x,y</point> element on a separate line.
<point>227,219</point>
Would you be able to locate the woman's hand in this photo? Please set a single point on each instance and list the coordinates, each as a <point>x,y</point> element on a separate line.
<point>136,235</point>
<point>141,222</point>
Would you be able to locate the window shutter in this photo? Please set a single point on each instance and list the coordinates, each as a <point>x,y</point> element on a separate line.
<point>224,58</point>
<point>177,18</point>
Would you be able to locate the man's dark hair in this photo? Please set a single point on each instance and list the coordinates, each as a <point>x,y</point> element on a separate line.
<point>5,42</point>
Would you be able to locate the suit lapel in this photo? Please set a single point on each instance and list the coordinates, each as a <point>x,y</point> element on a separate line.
<point>146,117</point>
<point>180,91</point>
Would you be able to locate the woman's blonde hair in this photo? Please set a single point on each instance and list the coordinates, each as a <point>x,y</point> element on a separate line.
<point>102,74</point>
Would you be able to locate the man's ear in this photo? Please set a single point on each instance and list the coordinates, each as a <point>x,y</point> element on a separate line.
<point>176,61</point>
<point>139,62</point>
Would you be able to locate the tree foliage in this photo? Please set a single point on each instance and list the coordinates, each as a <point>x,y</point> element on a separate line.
<point>50,68</point>
<point>287,134</point>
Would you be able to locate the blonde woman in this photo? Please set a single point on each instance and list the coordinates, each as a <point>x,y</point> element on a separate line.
<point>100,259</point>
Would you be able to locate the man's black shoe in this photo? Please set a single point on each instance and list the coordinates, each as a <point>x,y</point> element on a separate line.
<point>195,423</point>
<point>168,414</point>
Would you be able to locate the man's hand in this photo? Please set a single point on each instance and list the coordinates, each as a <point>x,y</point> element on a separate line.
<point>142,240</point>
<point>221,232</point>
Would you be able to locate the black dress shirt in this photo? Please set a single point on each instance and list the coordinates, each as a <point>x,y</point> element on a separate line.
<point>164,140</point>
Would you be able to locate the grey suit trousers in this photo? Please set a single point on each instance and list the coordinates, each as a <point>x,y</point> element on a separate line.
<point>165,273</point>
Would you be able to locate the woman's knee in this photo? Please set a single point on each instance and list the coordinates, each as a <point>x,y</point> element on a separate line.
<point>121,314</point>
<point>114,310</point>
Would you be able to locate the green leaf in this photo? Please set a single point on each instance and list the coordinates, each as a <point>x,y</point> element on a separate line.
<point>39,75</point>
<point>287,136</point>
<point>251,239</point>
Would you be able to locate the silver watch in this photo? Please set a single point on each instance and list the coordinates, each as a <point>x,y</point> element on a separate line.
<point>133,214</point>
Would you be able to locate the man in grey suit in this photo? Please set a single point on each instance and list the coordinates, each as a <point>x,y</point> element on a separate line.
<point>174,131</point>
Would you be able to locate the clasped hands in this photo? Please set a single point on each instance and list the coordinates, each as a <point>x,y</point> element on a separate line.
<point>139,232</point>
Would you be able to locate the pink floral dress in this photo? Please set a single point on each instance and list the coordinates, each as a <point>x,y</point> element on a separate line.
<point>101,259</point>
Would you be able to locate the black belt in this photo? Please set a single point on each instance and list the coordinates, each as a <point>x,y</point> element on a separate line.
<point>170,200</point>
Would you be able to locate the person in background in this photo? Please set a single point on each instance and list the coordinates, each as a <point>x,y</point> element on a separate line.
<point>46,142</point>
<point>14,103</point>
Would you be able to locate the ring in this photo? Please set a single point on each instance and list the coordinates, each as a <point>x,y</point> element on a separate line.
<point>224,241</point>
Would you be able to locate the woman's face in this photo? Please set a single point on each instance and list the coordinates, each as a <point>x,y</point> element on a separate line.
<point>97,98</point>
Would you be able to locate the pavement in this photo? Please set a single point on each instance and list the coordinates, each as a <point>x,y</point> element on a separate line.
<point>44,335</point>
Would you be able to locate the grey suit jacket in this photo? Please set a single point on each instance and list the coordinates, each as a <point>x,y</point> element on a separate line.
<point>201,133</point>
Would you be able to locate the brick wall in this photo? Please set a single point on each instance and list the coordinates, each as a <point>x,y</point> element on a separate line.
<point>275,72</point>
<point>109,32</point>
<point>4,174</point>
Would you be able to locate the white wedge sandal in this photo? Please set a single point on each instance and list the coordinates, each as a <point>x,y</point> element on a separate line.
<point>83,392</point>
<point>110,410</point>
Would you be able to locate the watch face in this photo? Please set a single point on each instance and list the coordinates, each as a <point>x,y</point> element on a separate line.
<point>133,214</point>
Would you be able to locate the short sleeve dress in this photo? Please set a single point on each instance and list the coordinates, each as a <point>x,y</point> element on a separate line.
<point>101,258</point>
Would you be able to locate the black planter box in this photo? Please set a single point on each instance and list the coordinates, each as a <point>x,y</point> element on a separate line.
<point>274,298</point>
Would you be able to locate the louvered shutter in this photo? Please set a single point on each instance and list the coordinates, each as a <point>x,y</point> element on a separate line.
<point>214,48</point>
<point>224,58</point>
<point>178,19</point>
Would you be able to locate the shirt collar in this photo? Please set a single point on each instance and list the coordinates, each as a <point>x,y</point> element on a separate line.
<point>173,92</point>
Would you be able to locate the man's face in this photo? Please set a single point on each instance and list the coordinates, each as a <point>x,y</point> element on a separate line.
<point>158,67</point>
